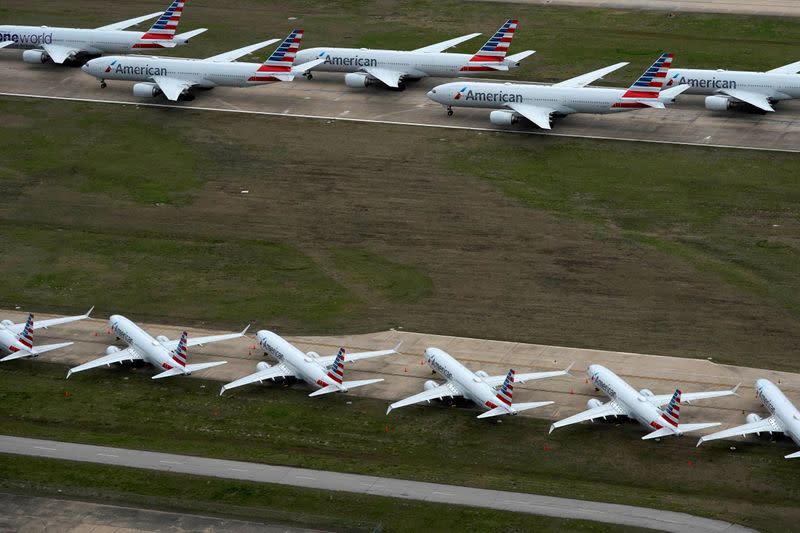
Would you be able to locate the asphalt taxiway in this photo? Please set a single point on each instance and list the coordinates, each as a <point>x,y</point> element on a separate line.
<point>327,98</point>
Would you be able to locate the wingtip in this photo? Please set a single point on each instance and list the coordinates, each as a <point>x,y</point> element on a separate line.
<point>89,312</point>
<point>389,410</point>
<point>222,390</point>
<point>566,370</point>
<point>397,348</point>
<point>735,390</point>
<point>552,428</point>
<point>244,331</point>
<point>69,373</point>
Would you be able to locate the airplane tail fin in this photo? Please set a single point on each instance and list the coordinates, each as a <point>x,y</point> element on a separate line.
<point>161,33</point>
<point>278,66</point>
<point>491,55</point>
<point>25,336</point>
<point>507,389</point>
<point>672,413</point>
<point>336,371</point>
<point>645,91</point>
<point>180,352</point>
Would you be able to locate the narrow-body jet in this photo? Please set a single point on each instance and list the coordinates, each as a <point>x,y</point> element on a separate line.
<point>16,340</point>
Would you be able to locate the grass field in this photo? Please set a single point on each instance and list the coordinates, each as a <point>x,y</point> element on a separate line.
<point>273,504</point>
<point>568,41</point>
<point>754,486</point>
<point>551,241</point>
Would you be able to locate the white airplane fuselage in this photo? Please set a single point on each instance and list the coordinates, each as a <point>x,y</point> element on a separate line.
<point>710,82</point>
<point>564,100</point>
<point>9,342</point>
<point>303,365</point>
<point>617,389</point>
<point>151,349</point>
<point>779,405</point>
<point>200,73</point>
<point>413,64</point>
<point>472,384</point>
<point>87,40</point>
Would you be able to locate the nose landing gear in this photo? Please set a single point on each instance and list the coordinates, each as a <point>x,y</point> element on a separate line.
<point>449,111</point>
<point>103,84</point>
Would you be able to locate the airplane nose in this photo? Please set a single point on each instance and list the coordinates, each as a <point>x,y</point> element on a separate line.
<point>85,67</point>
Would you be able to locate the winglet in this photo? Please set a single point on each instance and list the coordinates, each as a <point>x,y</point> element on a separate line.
<point>552,428</point>
<point>566,370</point>
<point>736,388</point>
<point>245,329</point>
<point>69,373</point>
<point>397,348</point>
<point>89,312</point>
<point>389,410</point>
<point>222,390</point>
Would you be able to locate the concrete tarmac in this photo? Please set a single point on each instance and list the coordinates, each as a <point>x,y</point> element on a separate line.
<point>326,97</point>
<point>405,373</point>
<point>775,8</point>
<point>370,485</point>
<point>31,514</point>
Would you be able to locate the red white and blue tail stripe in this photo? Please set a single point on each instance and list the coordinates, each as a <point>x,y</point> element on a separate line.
<point>164,28</point>
<point>281,60</point>
<point>180,351</point>
<point>673,411</point>
<point>336,372</point>
<point>25,336</point>
<point>507,390</point>
<point>495,49</point>
<point>652,81</point>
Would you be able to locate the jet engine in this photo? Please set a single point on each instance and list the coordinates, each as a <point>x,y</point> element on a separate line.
<point>718,103</point>
<point>481,374</point>
<point>111,350</point>
<point>503,118</point>
<point>357,80</point>
<point>313,355</point>
<point>752,417</point>
<point>262,366</point>
<point>35,56</point>
<point>146,90</point>
<point>162,338</point>
<point>7,323</point>
<point>646,392</point>
<point>430,385</point>
<point>594,402</point>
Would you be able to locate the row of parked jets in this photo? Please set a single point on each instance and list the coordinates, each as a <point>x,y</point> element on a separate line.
<point>178,79</point>
<point>493,394</point>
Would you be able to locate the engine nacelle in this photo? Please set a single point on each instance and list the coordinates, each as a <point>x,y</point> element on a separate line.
<point>481,374</point>
<point>430,385</point>
<point>162,338</point>
<point>35,56</point>
<point>357,80</point>
<point>594,402</point>
<point>111,350</point>
<point>646,392</point>
<point>262,366</point>
<point>752,418</point>
<point>503,118</point>
<point>7,323</point>
<point>146,90</point>
<point>718,103</point>
<point>313,355</point>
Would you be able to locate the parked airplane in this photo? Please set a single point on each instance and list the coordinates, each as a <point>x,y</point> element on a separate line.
<point>176,77</point>
<point>784,418</point>
<point>642,406</point>
<point>365,67</point>
<point>478,387</point>
<point>43,43</point>
<point>16,340</point>
<point>542,103</point>
<point>160,352</point>
<point>739,89</point>
<point>324,373</point>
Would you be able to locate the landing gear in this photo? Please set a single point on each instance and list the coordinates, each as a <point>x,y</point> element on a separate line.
<point>103,84</point>
<point>309,76</point>
<point>449,111</point>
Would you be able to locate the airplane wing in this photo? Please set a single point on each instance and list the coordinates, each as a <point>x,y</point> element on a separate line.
<point>769,424</point>
<point>199,341</point>
<point>53,321</point>
<point>389,77</point>
<point>448,390</point>
<point>611,408</point>
<point>791,68</point>
<point>121,25</point>
<point>277,371</point>
<point>350,357</point>
<point>537,114</point>
<point>754,99</point>
<point>494,381</point>
<point>688,397</point>
<point>58,53</point>
<point>172,87</point>
<point>585,79</point>
<point>128,354</point>
<point>233,55</point>
<point>444,45</point>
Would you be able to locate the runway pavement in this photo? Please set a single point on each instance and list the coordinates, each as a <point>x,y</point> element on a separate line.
<point>326,97</point>
<point>370,485</point>
<point>405,373</point>
<point>778,8</point>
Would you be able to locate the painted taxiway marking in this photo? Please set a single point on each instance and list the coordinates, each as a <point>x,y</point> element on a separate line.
<point>171,462</point>
<point>45,448</point>
<point>306,477</point>
<point>397,123</point>
<point>107,455</point>
<point>239,469</point>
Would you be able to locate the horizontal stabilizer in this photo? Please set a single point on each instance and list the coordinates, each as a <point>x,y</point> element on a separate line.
<point>657,434</point>
<point>188,369</point>
<point>497,411</point>
<point>795,455</point>
<point>308,65</point>
<point>169,373</point>
<point>681,429</point>
<point>525,406</point>
<point>516,58</point>
<point>197,367</point>
<point>37,350</point>
<point>185,36</point>
<point>673,92</point>
<point>344,387</point>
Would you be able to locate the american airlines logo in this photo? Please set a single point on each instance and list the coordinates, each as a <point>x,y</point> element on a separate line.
<point>602,385</point>
<point>121,334</point>
<point>468,95</point>
<point>440,369</point>
<point>713,83</point>
<point>144,70</point>
<point>40,38</point>
<point>351,61</point>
